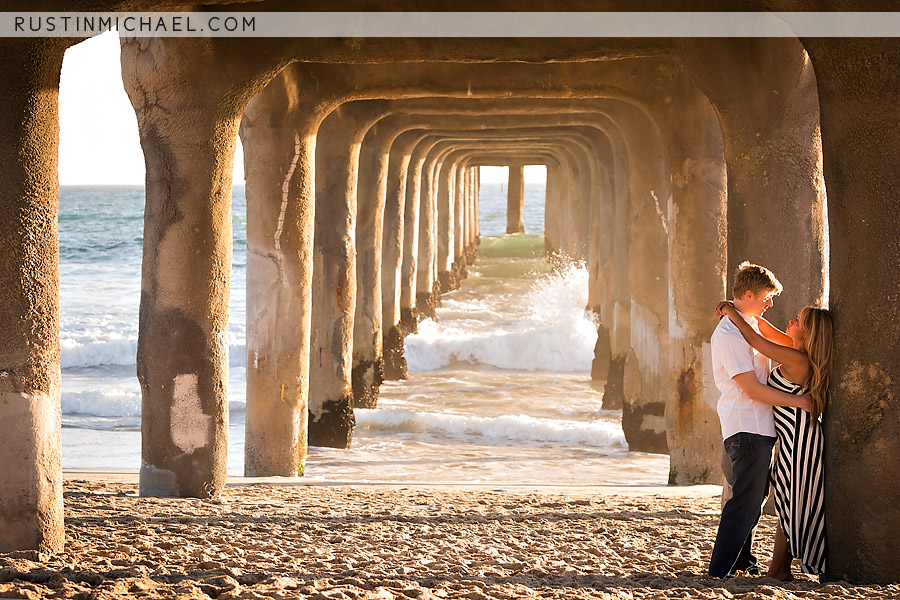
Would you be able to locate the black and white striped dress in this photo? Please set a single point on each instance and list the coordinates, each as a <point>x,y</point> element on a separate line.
<point>799,479</point>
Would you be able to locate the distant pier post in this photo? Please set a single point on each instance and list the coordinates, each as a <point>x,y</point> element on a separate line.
<point>515,199</point>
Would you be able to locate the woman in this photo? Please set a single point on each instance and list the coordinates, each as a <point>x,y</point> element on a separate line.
<point>804,352</point>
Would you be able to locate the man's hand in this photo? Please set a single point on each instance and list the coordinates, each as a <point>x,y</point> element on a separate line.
<point>806,403</point>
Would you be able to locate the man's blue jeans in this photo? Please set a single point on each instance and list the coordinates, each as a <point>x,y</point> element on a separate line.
<point>751,458</point>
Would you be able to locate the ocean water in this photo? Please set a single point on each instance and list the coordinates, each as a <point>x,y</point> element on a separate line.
<point>499,387</point>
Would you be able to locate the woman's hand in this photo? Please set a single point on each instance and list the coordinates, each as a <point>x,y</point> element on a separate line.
<point>723,307</point>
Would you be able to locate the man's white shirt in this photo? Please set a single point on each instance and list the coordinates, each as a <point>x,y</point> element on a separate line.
<point>732,355</point>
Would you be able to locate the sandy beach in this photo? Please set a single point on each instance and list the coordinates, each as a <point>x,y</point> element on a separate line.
<point>393,541</point>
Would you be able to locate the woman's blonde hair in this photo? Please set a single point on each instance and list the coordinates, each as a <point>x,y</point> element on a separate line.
<point>818,327</point>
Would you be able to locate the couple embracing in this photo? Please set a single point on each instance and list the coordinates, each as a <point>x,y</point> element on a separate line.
<point>759,405</point>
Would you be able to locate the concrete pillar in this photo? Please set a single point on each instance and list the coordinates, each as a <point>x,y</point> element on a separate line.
<point>31,501</point>
<point>599,235</point>
<point>640,168</point>
<point>608,188</point>
<point>857,83</point>
<point>278,136</point>
<point>588,188</point>
<point>451,267</point>
<point>695,214</point>
<point>764,91</point>
<point>643,354</point>
<point>472,216</point>
<point>515,199</point>
<point>469,193</point>
<point>445,224</point>
<point>188,127</point>
<point>578,222</point>
<point>475,220</point>
<point>570,204</point>
<point>464,183</point>
<point>338,141</point>
<point>413,227</point>
<point>368,363</point>
<point>553,209</point>
<point>427,294</point>
<point>392,252</point>
<point>461,203</point>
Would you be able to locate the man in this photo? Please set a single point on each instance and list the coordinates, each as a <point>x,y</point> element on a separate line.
<point>748,426</point>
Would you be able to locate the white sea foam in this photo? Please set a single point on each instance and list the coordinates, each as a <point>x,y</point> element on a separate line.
<point>553,333</point>
<point>116,402</point>
<point>111,402</point>
<point>500,430</point>
<point>95,349</point>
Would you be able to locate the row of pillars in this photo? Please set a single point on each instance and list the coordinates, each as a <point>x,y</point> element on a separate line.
<point>665,169</point>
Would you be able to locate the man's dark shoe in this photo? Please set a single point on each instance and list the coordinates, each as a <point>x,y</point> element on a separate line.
<point>752,570</point>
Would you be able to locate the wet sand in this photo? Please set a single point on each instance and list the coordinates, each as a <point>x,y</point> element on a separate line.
<point>394,541</point>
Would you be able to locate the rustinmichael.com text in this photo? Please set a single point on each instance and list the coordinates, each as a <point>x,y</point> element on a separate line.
<point>133,24</point>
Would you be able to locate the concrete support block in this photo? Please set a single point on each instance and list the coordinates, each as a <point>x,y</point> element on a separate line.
<point>643,418</point>
<point>395,366</point>
<point>366,378</point>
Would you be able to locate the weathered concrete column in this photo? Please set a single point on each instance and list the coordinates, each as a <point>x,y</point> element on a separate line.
<point>694,220</point>
<point>464,187</point>
<point>552,209</point>
<point>392,252</point>
<point>588,189</point>
<point>413,251</point>
<point>462,209</point>
<point>609,188</point>
<point>445,235</point>
<point>338,143</point>
<point>472,216</point>
<point>764,92</point>
<point>373,173</point>
<point>570,207</point>
<point>640,169</point>
<point>278,136</point>
<point>476,186</point>
<point>515,199</point>
<point>455,190</point>
<point>188,127</point>
<point>469,204</point>
<point>368,363</point>
<point>858,82</point>
<point>644,354</point>
<point>427,287</point>
<point>31,500</point>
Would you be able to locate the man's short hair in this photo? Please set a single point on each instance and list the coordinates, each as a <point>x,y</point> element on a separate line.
<point>754,278</point>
